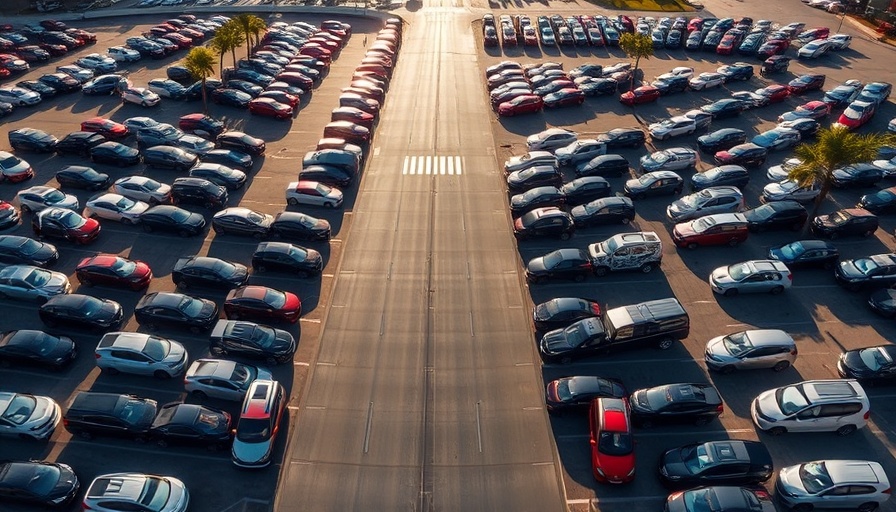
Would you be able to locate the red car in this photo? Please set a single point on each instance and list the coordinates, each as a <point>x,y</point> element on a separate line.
<point>105,127</point>
<point>8,215</point>
<point>53,25</point>
<point>695,24</point>
<point>806,83</point>
<point>729,43</point>
<point>65,224</point>
<point>643,94</point>
<point>773,47</point>
<point>201,124</point>
<point>270,107</point>
<point>351,132</point>
<point>81,35</point>
<point>612,445</point>
<point>857,114</point>
<point>55,50</point>
<point>524,104</point>
<point>182,42</point>
<point>717,229</point>
<point>113,270</point>
<point>263,304</point>
<point>316,51</point>
<point>775,93</point>
<point>354,115</point>
<point>4,73</point>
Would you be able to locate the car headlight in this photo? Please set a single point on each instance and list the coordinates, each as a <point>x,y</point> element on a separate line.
<point>600,472</point>
<point>631,473</point>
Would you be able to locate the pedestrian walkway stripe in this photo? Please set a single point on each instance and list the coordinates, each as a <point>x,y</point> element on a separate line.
<point>451,165</point>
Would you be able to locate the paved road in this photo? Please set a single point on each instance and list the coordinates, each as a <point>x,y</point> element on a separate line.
<point>424,395</point>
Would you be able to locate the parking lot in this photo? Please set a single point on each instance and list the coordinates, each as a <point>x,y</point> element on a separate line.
<point>822,316</point>
<point>215,484</point>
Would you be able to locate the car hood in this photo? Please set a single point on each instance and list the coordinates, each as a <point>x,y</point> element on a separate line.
<point>58,283</point>
<point>790,482</point>
<point>67,484</point>
<point>716,347</point>
<point>673,465</point>
<point>849,270</point>
<point>852,361</point>
<point>684,229</point>
<point>774,189</point>
<point>176,355</point>
<point>679,208</point>
<point>555,342</point>
<point>720,276</point>
<point>250,453</point>
<point>536,265</point>
<point>519,200</point>
<point>768,405</point>
<point>633,185</point>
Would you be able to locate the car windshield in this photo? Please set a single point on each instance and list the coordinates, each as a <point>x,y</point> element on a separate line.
<point>865,265</point>
<point>157,348</point>
<point>72,220</point>
<point>43,479</point>
<point>875,358</point>
<point>30,246</point>
<point>9,162</point>
<point>838,218</point>
<point>737,343</point>
<point>855,111</point>
<point>20,409</point>
<point>657,398</point>
<point>275,298</point>
<point>610,245</point>
<point>179,215</point>
<point>701,500</point>
<point>703,223</point>
<point>615,443</point>
<point>242,375</point>
<point>552,259</point>
<point>763,212</point>
<point>661,157</point>
<point>253,431</point>
<point>224,268</point>
<point>121,149</point>
<point>155,494</point>
<point>576,334</point>
<point>323,189</point>
<point>190,306</point>
<point>38,277</point>
<point>815,478</point>
<point>125,204</point>
<point>791,399</point>
<point>793,250</point>
<point>54,196</point>
<point>695,457</point>
<point>764,139</point>
<point>739,271</point>
<point>307,221</point>
<point>698,198</point>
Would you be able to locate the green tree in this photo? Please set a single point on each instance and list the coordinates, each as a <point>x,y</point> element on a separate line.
<point>201,64</point>
<point>836,147</point>
<point>636,46</point>
<point>227,39</point>
<point>250,25</point>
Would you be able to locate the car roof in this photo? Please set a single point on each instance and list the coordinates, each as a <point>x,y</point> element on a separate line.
<point>126,486</point>
<point>256,404</point>
<point>768,337</point>
<point>855,471</point>
<point>221,368</point>
<point>91,401</point>
<point>702,393</point>
<point>165,299</point>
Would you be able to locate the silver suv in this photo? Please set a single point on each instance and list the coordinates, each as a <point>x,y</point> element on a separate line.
<point>710,200</point>
<point>141,354</point>
<point>259,424</point>
<point>223,379</point>
<point>842,484</point>
<point>812,406</point>
<point>752,349</point>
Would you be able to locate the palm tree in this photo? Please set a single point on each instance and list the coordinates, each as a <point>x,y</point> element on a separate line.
<point>201,63</point>
<point>835,148</point>
<point>257,26</point>
<point>636,46</point>
<point>250,25</point>
<point>227,39</point>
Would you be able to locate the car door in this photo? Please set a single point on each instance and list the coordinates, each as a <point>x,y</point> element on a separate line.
<point>763,357</point>
<point>168,316</point>
<point>184,434</point>
<point>131,362</point>
<point>715,235</point>
<point>837,497</point>
<point>754,283</point>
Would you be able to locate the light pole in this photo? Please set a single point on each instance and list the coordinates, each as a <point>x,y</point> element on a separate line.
<point>842,15</point>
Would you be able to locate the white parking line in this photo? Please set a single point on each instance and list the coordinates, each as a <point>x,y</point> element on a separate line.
<point>152,451</point>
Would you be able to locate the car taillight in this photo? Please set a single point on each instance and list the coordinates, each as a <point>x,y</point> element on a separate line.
<point>762,494</point>
<point>720,408</point>
<point>867,415</point>
<point>64,422</point>
<point>790,276</point>
<point>794,351</point>
<point>97,355</point>
<point>887,491</point>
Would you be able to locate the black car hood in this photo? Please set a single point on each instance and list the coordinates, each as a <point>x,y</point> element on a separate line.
<point>555,342</point>
<point>673,464</point>
<point>282,343</point>
<point>852,361</point>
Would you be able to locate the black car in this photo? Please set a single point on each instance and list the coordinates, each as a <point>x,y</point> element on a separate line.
<point>806,127</point>
<point>60,82</point>
<point>733,175</point>
<point>206,272</point>
<point>104,84</point>
<point>585,189</point>
<point>675,403</point>
<point>572,264</point>
<point>736,71</point>
<point>241,142</point>
<point>599,86</point>
<point>874,271</point>
<point>41,88</point>
<point>198,191</point>
<point>873,363</point>
<point>299,226</point>
<point>194,91</point>
<point>81,311</point>
<point>806,253</point>
<point>36,347</point>
<point>171,218</point>
<point>231,97</point>
<point>179,74</point>
<point>180,423</point>
<point>694,40</point>
<point>728,462</point>
<point>32,139</point>
<point>774,63</point>
<point>776,215</point>
<point>571,393</point>
<point>202,125</point>
<point>242,221</point>
<point>327,174</point>
<point>169,157</point>
<point>720,140</point>
<point>849,221</point>
<point>603,165</point>
<point>245,86</point>
<point>229,157</point>
<point>623,137</point>
<point>15,250</point>
<point>79,176</point>
<point>883,302</point>
<point>750,45</point>
<point>32,53</point>
<point>806,83</point>
<point>114,153</point>
<point>726,107</point>
<point>90,414</point>
<point>880,202</point>
<point>78,143</point>
<point>47,484</point>
<point>608,210</point>
<point>563,311</point>
<point>537,197</point>
<point>176,310</point>
<point>285,257</point>
<point>671,85</point>
<point>542,222</point>
<point>248,339</point>
<point>856,175</point>
<point>747,155</point>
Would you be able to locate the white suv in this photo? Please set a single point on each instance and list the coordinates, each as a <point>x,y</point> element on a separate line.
<point>840,484</point>
<point>812,406</point>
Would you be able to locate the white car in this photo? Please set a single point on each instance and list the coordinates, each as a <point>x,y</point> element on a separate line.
<point>789,190</point>
<point>706,81</point>
<point>13,168</point>
<point>579,151</point>
<point>891,126</point>
<point>701,119</point>
<point>671,159</point>
<point>814,49</point>
<point>888,166</point>
<point>808,406</point>
<point>140,354</point>
<point>141,188</point>
<point>778,173</point>
<point>752,276</point>
<point>166,88</point>
<point>82,75</point>
<point>135,124</point>
<point>19,96</point>
<point>530,159</point>
<point>830,484</point>
<point>676,72</point>
<point>840,41</point>
<point>222,379</point>
<point>117,207</point>
<point>122,54</point>
<point>40,197</point>
<point>551,139</point>
<point>29,416</point>
<point>97,63</point>
<point>140,96</point>
<point>313,193</point>
<point>136,491</point>
<point>678,125</point>
<point>195,144</point>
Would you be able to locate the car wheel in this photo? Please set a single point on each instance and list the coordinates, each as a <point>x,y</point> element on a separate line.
<point>780,366</point>
<point>111,371</point>
<point>25,208</point>
<point>871,506</point>
<point>601,271</point>
<point>162,443</point>
<point>647,268</point>
<point>85,435</point>
<point>293,201</point>
<point>625,220</point>
<point>665,343</point>
<point>261,269</point>
<point>328,205</point>
<point>564,236</point>
<point>693,245</point>
<point>86,281</point>
<point>702,420</point>
<point>845,430</point>
<point>776,290</point>
<point>258,235</point>
<point>678,190</point>
<point>579,278</point>
<point>777,431</point>
<point>233,315</point>
<point>866,234</point>
<point>152,326</point>
<point>147,228</point>
<point>733,242</point>
<point>731,292</point>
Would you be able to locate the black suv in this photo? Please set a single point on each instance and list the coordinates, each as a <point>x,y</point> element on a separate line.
<point>675,403</point>
<point>850,221</point>
<point>874,271</point>
<point>198,191</point>
<point>720,140</point>
<point>540,222</point>
<point>623,137</point>
<point>79,143</point>
<point>109,414</point>
<point>728,462</point>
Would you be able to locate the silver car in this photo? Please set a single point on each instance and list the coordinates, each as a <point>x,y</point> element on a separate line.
<point>580,151</point>
<point>672,159</point>
<point>842,484</point>
<point>781,172</point>
<point>752,276</point>
<point>724,199</point>
<point>39,197</point>
<point>751,349</point>
<point>29,416</point>
<point>221,378</point>
<point>140,354</point>
<point>32,283</point>
<point>551,139</point>
<point>789,190</point>
<point>141,188</point>
<point>678,125</point>
<point>114,206</point>
<point>136,491</point>
<point>530,159</point>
